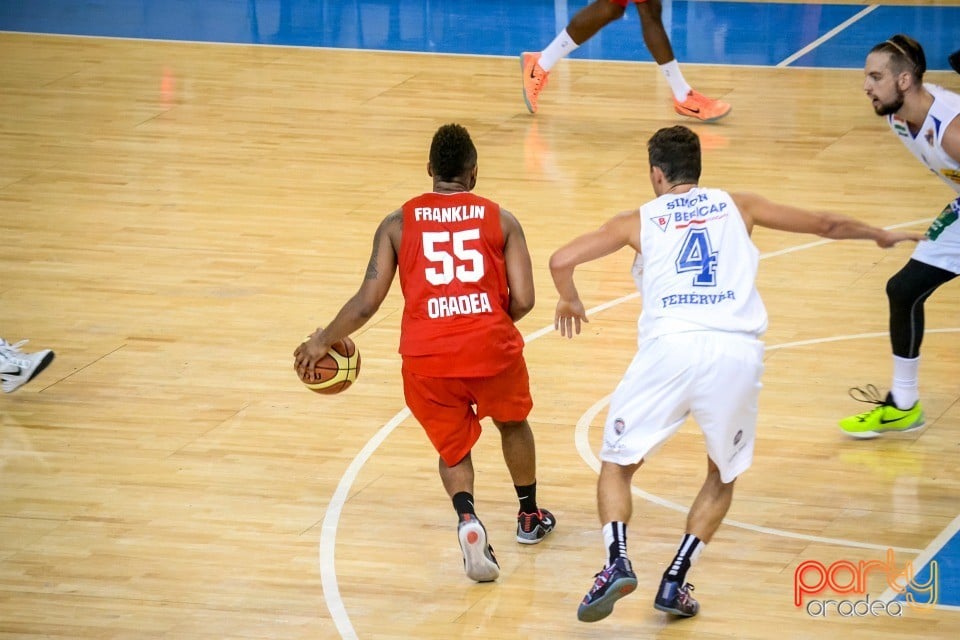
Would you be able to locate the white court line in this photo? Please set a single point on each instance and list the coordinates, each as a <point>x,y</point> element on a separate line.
<point>829,34</point>
<point>586,453</point>
<point>331,520</point>
<point>328,531</point>
<point>925,557</point>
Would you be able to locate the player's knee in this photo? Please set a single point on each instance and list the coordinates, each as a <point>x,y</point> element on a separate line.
<point>609,10</point>
<point>650,11</point>
<point>900,292</point>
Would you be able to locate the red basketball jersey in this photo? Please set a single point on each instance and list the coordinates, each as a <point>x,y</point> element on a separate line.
<point>456,320</point>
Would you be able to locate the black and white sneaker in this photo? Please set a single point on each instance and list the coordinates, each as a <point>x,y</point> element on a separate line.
<point>675,599</point>
<point>534,527</point>
<point>18,368</point>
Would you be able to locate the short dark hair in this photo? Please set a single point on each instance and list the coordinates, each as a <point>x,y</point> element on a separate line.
<point>906,54</point>
<point>676,151</point>
<point>452,152</point>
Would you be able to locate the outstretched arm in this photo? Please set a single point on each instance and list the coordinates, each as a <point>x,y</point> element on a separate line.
<point>758,210</point>
<point>620,231</point>
<point>364,303</point>
<point>519,268</point>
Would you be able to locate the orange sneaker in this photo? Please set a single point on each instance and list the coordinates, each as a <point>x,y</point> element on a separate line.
<point>701,107</point>
<point>534,79</point>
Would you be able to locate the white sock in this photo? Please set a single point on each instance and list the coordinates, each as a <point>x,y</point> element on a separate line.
<point>562,46</point>
<point>615,540</point>
<point>679,86</point>
<point>906,386</point>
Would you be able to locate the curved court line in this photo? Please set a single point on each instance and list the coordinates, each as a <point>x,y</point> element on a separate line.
<point>328,531</point>
<point>331,519</point>
<point>586,453</point>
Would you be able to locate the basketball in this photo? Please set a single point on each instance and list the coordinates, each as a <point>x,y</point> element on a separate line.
<point>336,371</point>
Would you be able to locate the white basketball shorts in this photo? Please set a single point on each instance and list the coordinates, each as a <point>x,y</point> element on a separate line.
<point>713,376</point>
<point>944,252</point>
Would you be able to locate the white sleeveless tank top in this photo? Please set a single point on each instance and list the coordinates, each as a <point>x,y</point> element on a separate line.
<point>697,268</point>
<point>927,146</point>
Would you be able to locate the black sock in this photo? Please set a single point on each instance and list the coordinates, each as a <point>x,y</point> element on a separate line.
<point>463,503</point>
<point>528,497</point>
<point>686,554</point>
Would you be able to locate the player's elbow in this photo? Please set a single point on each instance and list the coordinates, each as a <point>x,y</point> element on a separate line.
<point>367,311</point>
<point>521,305</point>
<point>557,263</point>
<point>829,229</point>
<point>834,227</point>
<point>561,263</point>
<point>364,307</point>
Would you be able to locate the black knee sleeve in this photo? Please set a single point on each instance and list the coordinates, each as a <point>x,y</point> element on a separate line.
<point>907,290</point>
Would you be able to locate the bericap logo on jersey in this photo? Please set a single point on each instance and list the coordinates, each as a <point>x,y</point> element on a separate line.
<point>661,221</point>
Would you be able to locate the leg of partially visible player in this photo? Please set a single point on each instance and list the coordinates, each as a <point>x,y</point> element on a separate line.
<point>900,410</point>
<point>583,26</point>
<point>686,101</point>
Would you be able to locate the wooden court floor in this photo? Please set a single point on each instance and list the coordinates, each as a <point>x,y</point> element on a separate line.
<point>174,218</point>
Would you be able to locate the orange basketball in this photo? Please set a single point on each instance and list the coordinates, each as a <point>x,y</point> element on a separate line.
<point>335,371</point>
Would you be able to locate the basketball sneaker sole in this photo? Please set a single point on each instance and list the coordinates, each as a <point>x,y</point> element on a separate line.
<point>477,563</point>
<point>603,606</point>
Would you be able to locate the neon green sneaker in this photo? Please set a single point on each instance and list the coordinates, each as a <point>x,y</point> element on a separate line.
<point>885,418</point>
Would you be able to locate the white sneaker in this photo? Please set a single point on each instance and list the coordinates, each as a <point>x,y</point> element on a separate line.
<point>18,368</point>
<point>478,559</point>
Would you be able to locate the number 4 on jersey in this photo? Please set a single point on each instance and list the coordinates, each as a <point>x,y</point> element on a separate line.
<point>697,255</point>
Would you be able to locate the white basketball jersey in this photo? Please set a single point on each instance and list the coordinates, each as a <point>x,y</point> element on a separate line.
<point>927,146</point>
<point>697,268</point>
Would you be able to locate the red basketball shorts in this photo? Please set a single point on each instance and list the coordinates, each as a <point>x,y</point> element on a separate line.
<point>450,409</point>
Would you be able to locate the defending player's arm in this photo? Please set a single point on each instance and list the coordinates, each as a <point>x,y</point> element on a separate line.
<point>620,231</point>
<point>758,210</point>
<point>365,302</point>
<point>519,266</point>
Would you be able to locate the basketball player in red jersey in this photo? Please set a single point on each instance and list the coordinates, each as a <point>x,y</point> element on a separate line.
<point>466,277</point>
<point>595,16</point>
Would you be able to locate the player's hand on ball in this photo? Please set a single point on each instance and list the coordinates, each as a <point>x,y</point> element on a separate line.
<point>327,368</point>
<point>309,352</point>
<point>569,315</point>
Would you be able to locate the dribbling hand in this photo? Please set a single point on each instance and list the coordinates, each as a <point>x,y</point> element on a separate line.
<point>309,352</point>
